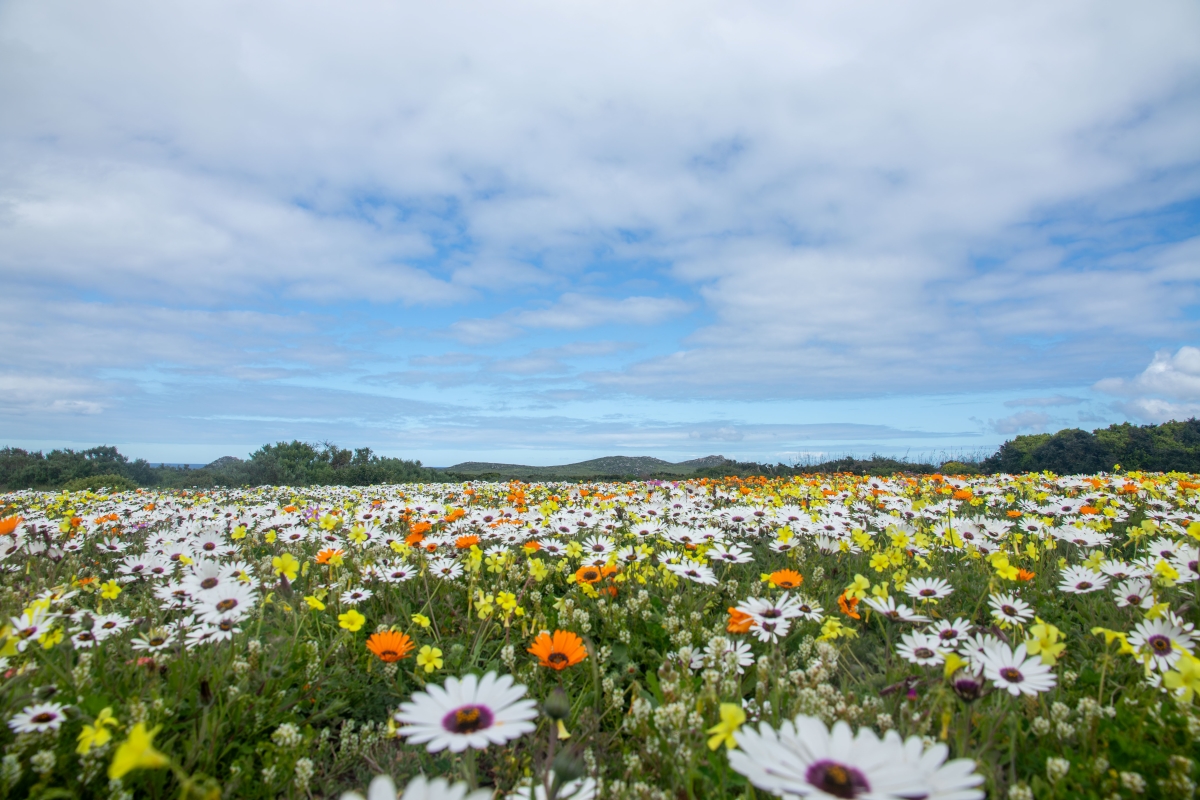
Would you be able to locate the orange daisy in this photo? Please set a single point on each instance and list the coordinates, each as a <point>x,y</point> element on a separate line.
<point>588,574</point>
<point>328,555</point>
<point>739,621</point>
<point>466,542</point>
<point>1025,575</point>
<point>786,578</point>
<point>390,645</point>
<point>413,539</point>
<point>9,524</point>
<point>848,606</point>
<point>563,649</point>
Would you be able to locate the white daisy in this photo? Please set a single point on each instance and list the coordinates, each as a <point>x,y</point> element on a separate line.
<point>37,718</point>
<point>1162,640</point>
<point>1008,609</point>
<point>695,572</point>
<point>730,554</point>
<point>445,568</point>
<point>806,759</point>
<point>579,789</point>
<point>920,648</point>
<point>1015,671</point>
<point>949,633</point>
<point>1081,580</point>
<point>944,780</point>
<point>228,601</point>
<point>155,640</point>
<point>353,597</point>
<point>928,589</point>
<point>894,611</point>
<point>471,712</point>
<point>1135,593</point>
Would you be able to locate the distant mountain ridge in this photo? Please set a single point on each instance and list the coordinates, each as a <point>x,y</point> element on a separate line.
<point>606,466</point>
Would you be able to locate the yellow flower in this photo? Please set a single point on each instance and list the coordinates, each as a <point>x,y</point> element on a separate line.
<point>97,734</point>
<point>859,588</point>
<point>538,569</point>
<point>286,565</point>
<point>732,717</point>
<point>954,662</point>
<point>238,533</point>
<point>330,522</point>
<point>51,638</point>
<point>422,620</point>
<point>574,549</point>
<point>351,620</point>
<point>430,658</point>
<point>137,752</point>
<point>1185,676</point>
<point>496,561</point>
<point>1044,640</point>
<point>314,603</point>
<point>880,562</point>
<point>506,600</point>
<point>110,590</point>
<point>484,604</point>
<point>270,537</point>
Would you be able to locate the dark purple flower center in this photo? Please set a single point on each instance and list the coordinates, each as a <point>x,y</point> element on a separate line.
<point>1012,675</point>
<point>928,593</point>
<point>837,779</point>
<point>1010,611</point>
<point>208,583</point>
<point>948,633</point>
<point>1161,645</point>
<point>923,652</point>
<point>468,719</point>
<point>1083,585</point>
<point>43,718</point>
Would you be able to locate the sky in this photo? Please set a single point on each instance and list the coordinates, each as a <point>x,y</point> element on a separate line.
<point>539,232</point>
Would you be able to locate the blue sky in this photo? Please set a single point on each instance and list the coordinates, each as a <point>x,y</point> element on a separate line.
<point>541,232</point>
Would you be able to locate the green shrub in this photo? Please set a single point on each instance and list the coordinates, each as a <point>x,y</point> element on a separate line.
<point>115,483</point>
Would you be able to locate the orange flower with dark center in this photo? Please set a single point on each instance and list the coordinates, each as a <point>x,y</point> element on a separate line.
<point>963,494</point>
<point>413,539</point>
<point>848,606</point>
<point>466,542</point>
<point>533,547</point>
<point>455,514</point>
<point>739,621</point>
<point>390,645</point>
<point>588,574</point>
<point>1089,510</point>
<point>9,524</point>
<point>786,578</point>
<point>289,509</point>
<point>1013,513</point>
<point>421,527</point>
<point>563,649</point>
<point>1025,575</point>
<point>325,556</point>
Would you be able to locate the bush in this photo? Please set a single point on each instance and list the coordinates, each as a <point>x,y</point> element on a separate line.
<point>112,482</point>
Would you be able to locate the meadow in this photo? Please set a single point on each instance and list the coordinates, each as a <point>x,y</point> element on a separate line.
<point>827,636</point>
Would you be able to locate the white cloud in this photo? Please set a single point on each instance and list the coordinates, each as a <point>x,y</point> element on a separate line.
<point>1033,421</point>
<point>1169,388</point>
<point>1043,402</point>
<point>847,199</point>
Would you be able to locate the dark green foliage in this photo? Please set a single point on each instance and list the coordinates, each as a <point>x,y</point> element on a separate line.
<point>1172,446</point>
<point>21,469</point>
<point>116,483</point>
<point>291,463</point>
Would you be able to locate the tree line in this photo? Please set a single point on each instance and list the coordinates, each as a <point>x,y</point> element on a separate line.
<point>1171,446</point>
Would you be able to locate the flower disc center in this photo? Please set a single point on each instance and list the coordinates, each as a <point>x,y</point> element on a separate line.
<point>837,779</point>
<point>468,719</point>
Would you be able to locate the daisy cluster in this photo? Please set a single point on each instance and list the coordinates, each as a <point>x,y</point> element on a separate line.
<point>828,636</point>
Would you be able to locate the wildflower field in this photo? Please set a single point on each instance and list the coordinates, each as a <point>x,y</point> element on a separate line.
<point>941,637</point>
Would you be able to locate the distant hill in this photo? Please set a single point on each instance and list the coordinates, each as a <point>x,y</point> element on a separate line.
<point>606,467</point>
